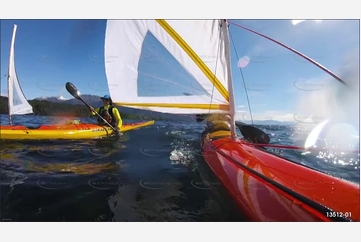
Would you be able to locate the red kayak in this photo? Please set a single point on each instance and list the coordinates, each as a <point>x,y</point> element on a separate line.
<point>267,187</point>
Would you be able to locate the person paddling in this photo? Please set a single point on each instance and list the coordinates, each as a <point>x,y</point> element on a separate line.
<point>108,112</point>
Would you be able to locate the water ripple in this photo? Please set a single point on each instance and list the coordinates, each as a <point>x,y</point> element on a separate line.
<point>155,174</point>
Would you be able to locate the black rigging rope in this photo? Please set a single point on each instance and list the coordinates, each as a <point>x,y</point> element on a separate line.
<point>244,83</point>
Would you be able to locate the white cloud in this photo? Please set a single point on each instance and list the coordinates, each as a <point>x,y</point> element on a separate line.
<point>295,22</point>
<point>299,35</point>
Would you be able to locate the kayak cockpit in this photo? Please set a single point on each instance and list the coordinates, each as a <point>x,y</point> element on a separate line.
<point>32,127</point>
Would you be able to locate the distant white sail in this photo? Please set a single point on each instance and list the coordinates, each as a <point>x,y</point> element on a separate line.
<point>18,104</point>
<point>192,50</point>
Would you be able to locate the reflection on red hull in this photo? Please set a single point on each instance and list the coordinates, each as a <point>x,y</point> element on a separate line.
<point>269,188</point>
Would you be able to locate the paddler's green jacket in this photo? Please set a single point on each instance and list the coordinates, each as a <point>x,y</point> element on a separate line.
<point>116,114</point>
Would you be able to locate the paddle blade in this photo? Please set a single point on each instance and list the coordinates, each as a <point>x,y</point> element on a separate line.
<point>253,134</point>
<point>116,136</point>
<point>200,118</point>
<point>72,90</point>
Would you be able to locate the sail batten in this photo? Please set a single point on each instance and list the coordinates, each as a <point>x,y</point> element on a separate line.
<point>190,108</point>
<point>17,102</point>
<point>196,47</point>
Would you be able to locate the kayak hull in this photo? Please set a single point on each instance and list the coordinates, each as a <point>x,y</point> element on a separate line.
<point>80,131</point>
<point>267,187</point>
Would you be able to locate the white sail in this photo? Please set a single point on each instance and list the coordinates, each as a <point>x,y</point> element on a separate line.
<point>18,104</point>
<point>199,46</point>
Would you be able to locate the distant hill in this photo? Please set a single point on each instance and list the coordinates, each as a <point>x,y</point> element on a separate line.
<point>92,100</point>
<point>55,106</point>
<point>58,105</point>
<point>95,101</point>
<point>46,108</point>
<point>271,122</point>
<point>54,98</point>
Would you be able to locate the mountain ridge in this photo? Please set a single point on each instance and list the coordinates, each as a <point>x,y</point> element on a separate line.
<point>95,101</point>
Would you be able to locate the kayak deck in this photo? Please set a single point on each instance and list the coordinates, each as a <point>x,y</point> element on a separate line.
<point>267,187</point>
<point>65,131</point>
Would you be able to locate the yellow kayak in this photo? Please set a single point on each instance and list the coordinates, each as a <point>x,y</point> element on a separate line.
<point>68,131</point>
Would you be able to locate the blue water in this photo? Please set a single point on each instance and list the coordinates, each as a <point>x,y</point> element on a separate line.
<point>153,174</point>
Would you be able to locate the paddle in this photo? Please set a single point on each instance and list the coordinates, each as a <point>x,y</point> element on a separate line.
<point>75,93</point>
<point>253,134</point>
<point>200,117</point>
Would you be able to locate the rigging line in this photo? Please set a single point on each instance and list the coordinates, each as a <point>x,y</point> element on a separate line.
<point>3,77</point>
<point>294,51</point>
<point>244,82</point>
<point>215,71</point>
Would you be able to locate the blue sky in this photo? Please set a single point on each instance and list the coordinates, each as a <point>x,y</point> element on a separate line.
<point>280,84</point>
